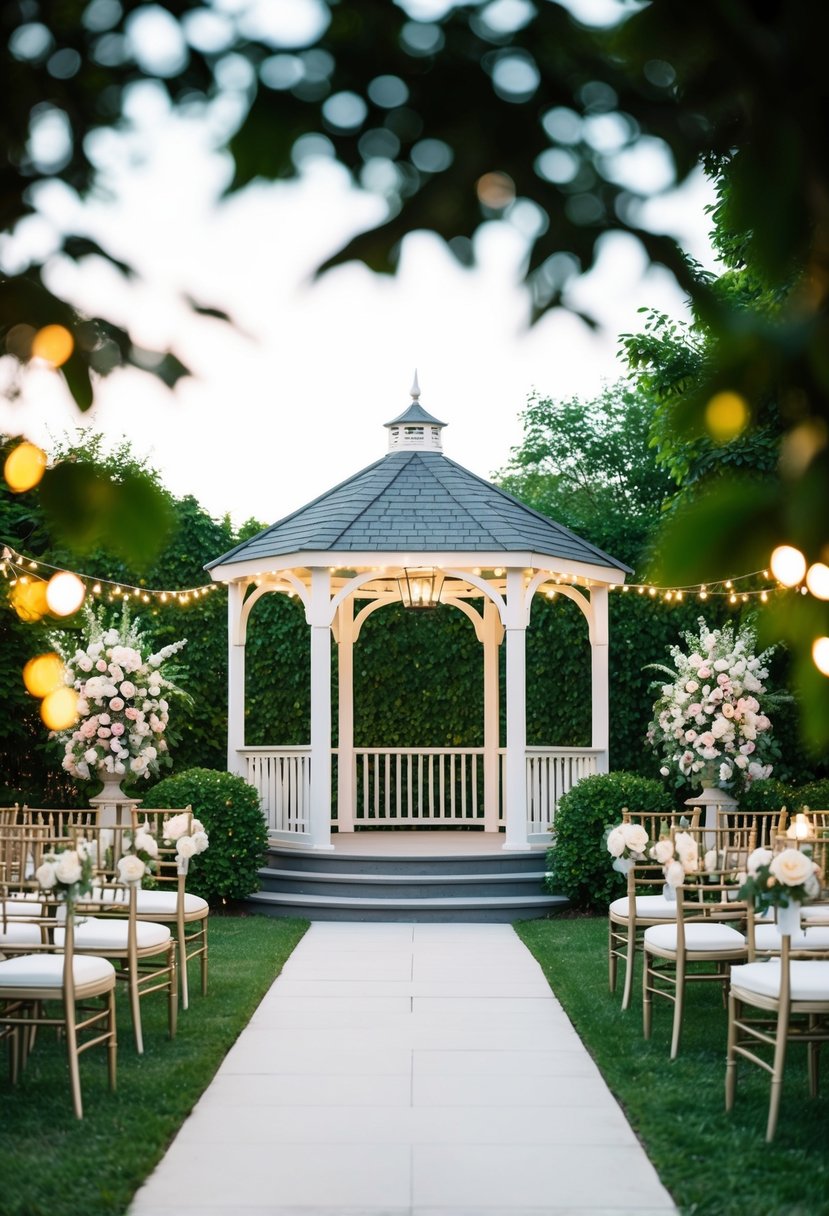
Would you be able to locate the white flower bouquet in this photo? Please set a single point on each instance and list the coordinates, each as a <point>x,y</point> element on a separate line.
<point>122,701</point>
<point>709,724</point>
<point>626,843</point>
<point>780,879</point>
<point>67,873</point>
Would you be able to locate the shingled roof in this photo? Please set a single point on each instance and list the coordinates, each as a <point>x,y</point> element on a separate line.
<point>416,501</point>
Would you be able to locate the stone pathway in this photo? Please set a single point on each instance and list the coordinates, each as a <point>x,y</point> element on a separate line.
<point>407,1070</point>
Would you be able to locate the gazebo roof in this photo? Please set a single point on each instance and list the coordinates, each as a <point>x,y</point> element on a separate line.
<point>416,501</point>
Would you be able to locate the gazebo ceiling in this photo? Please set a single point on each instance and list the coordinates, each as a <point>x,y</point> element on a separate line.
<point>416,504</point>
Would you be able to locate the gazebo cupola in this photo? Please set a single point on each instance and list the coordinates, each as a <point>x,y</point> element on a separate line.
<point>415,429</point>
<point>414,515</point>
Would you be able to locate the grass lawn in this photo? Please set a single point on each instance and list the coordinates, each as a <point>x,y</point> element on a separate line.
<point>713,1164</point>
<point>51,1164</point>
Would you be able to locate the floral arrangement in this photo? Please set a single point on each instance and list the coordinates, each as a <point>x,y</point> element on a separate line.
<point>678,857</point>
<point>183,830</point>
<point>122,701</point>
<point>626,843</point>
<point>780,879</point>
<point>67,872</point>
<point>708,724</point>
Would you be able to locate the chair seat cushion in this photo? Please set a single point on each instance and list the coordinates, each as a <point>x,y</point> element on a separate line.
<point>648,907</point>
<point>19,933</point>
<point>809,979</point>
<point>815,912</point>
<point>813,937</point>
<point>163,903</point>
<point>22,907</point>
<point>46,971</point>
<point>108,933</point>
<point>710,936</point>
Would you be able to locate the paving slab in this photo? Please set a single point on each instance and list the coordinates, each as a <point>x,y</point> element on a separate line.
<point>407,1070</point>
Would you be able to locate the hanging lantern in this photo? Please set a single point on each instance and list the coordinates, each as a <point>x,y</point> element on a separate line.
<point>420,588</point>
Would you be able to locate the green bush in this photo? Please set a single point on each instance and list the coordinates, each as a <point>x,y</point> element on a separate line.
<point>767,795</point>
<point>231,812</point>
<point>815,795</point>
<point>578,863</point>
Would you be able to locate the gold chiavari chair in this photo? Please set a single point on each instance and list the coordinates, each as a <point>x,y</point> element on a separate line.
<point>704,940</point>
<point>767,825</point>
<point>107,924</point>
<point>169,902</point>
<point>772,1003</point>
<point>43,985</point>
<point>644,904</point>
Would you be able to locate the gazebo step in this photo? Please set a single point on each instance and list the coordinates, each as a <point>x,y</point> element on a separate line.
<point>291,857</point>
<point>416,885</point>
<point>463,908</point>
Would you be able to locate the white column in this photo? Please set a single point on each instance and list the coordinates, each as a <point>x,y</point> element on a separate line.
<point>599,637</point>
<point>493,634</point>
<point>319,618</point>
<point>345,725</point>
<point>235,680</point>
<point>516,774</point>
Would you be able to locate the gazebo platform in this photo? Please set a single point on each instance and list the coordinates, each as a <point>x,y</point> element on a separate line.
<point>403,875</point>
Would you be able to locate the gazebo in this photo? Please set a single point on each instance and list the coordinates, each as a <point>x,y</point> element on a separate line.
<point>417,528</point>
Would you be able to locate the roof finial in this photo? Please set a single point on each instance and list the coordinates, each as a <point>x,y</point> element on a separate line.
<point>415,390</point>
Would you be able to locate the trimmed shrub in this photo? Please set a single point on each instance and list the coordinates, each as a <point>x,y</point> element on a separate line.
<point>815,795</point>
<point>769,795</point>
<point>578,863</point>
<point>231,812</point>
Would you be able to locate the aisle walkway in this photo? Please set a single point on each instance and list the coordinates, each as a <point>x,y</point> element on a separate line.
<point>407,1070</point>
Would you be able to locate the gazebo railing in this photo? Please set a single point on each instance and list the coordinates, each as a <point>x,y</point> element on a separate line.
<point>413,787</point>
<point>418,786</point>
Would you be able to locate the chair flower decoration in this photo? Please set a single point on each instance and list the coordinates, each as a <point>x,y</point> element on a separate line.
<point>781,879</point>
<point>710,723</point>
<point>67,873</point>
<point>626,843</point>
<point>123,701</point>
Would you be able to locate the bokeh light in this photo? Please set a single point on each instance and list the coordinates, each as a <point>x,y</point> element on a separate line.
<point>53,344</point>
<point>28,599</point>
<point>496,190</point>
<point>817,580</point>
<point>59,709</point>
<point>64,593</point>
<point>820,655</point>
<point>788,565</point>
<point>24,467</point>
<point>44,674</point>
<point>726,416</point>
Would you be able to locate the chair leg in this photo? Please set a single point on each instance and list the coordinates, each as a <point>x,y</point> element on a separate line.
<point>72,1055</point>
<point>112,1042</point>
<point>612,958</point>
<point>182,953</point>
<point>734,1011</point>
<point>679,1007</point>
<point>814,1062</point>
<point>172,991</point>
<point>204,961</point>
<point>647,999</point>
<point>777,1075</point>
<point>135,1010</point>
<point>629,963</point>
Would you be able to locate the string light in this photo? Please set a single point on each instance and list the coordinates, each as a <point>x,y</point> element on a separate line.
<point>13,564</point>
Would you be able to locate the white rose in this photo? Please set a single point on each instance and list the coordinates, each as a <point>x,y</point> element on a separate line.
<point>68,867</point>
<point>664,771</point>
<point>710,861</point>
<point>186,847</point>
<point>636,837</point>
<point>674,874</point>
<point>179,825</point>
<point>131,868</point>
<point>45,875</point>
<point>663,851</point>
<point>760,857</point>
<point>615,841</point>
<point>687,851</point>
<point>792,867</point>
<point>146,843</point>
<point>200,841</point>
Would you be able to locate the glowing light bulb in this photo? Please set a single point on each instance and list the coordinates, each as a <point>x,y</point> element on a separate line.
<point>44,674</point>
<point>817,580</point>
<point>820,655</point>
<point>59,709</point>
<point>788,565</point>
<point>24,467</point>
<point>53,344</point>
<point>64,593</point>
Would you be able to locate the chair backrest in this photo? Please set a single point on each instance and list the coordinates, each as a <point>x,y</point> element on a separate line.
<point>165,827</point>
<point>646,876</point>
<point>767,824</point>
<point>60,822</point>
<point>710,891</point>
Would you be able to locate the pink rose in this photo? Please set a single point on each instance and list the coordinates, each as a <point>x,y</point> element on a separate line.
<point>117,728</point>
<point>704,673</point>
<point>116,704</point>
<point>132,713</point>
<point>101,665</point>
<point>104,732</point>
